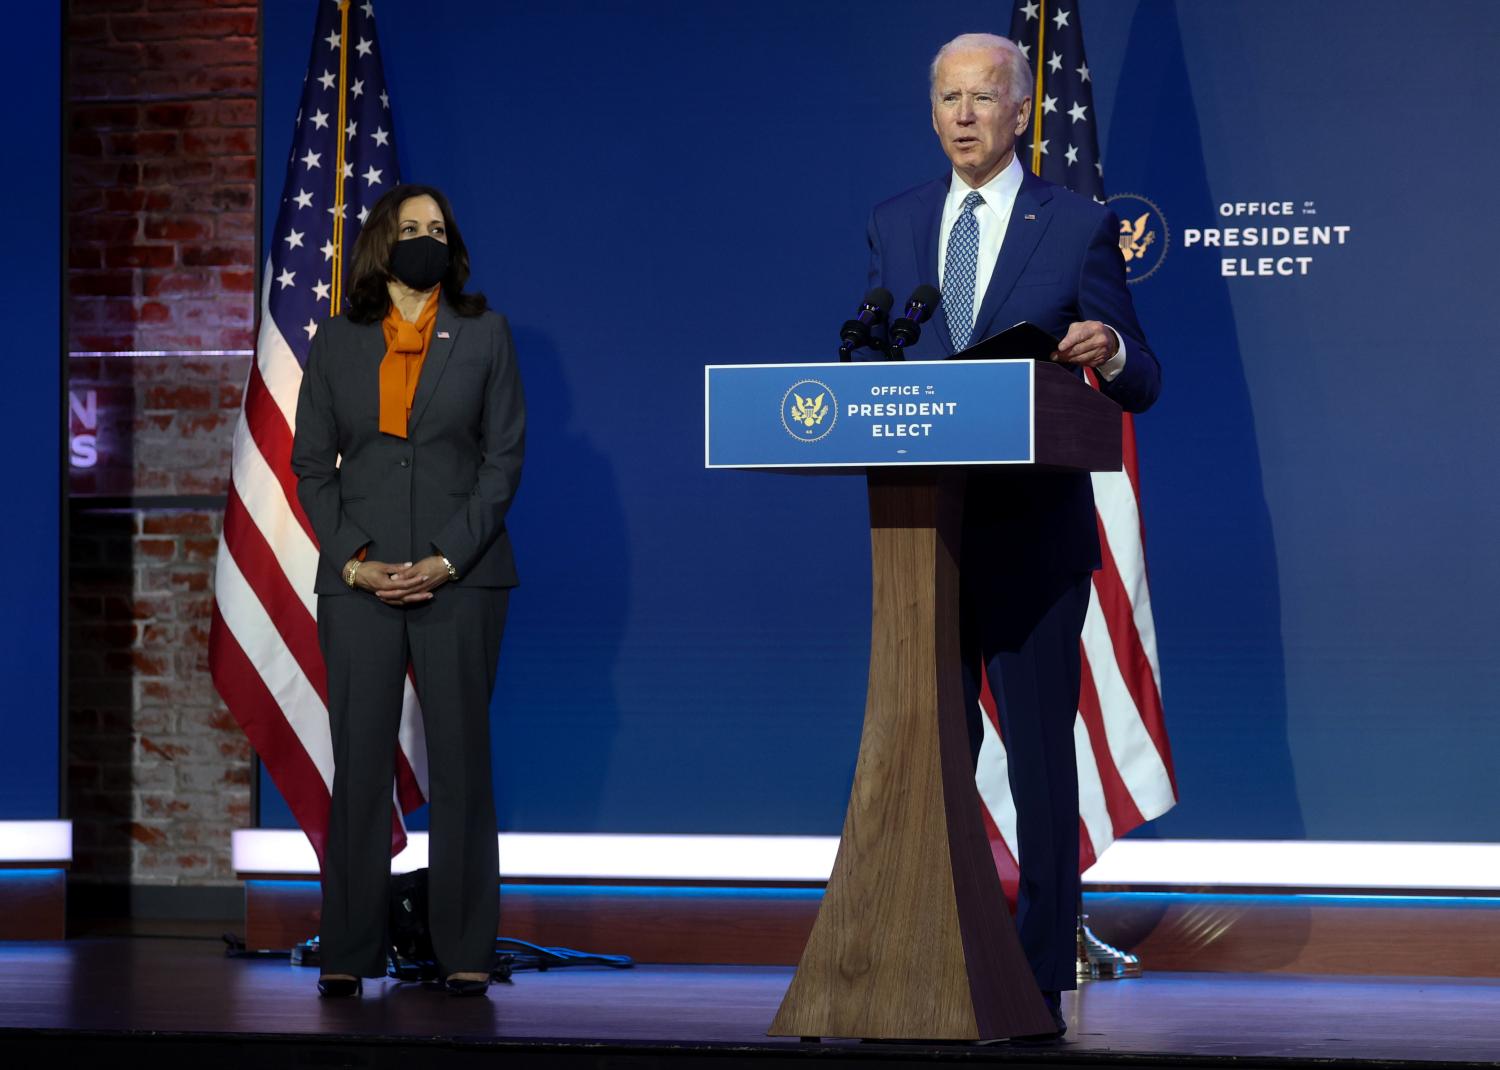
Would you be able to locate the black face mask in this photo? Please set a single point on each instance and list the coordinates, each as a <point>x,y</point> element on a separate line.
<point>421,262</point>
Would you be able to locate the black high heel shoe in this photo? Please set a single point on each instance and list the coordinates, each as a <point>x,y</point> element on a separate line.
<point>340,987</point>
<point>462,986</point>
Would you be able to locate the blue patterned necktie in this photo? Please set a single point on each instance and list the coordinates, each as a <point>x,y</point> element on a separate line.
<point>960,269</point>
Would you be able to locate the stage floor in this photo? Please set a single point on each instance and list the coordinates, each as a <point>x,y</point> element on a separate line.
<point>182,999</point>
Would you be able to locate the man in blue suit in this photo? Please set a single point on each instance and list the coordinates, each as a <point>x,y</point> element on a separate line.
<point>1005,246</point>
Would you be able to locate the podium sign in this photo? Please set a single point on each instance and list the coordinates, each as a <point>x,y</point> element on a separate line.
<point>862,414</point>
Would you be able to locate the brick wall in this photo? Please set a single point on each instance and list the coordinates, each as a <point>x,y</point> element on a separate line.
<point>159,773</point>
<point>161,215</point>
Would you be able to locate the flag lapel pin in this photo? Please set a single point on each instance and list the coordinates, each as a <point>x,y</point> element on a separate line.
<point>442,334</point>
<point>1030,215</point>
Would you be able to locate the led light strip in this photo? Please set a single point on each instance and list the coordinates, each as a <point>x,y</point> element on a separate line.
<point>162,353</point>
<point>36,841</point>
<point>1166,863</point>
<point>1300,864</point>
<point>582,856</point>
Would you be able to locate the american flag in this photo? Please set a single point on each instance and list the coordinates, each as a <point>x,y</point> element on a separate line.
<point>1125,775</point>
<point>263,646</point>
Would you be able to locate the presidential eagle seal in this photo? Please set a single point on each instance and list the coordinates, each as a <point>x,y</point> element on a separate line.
<point>809,410</point>
<point>1144,235</point>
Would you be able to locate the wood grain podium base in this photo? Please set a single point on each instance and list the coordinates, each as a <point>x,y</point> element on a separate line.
<point>913,939</point>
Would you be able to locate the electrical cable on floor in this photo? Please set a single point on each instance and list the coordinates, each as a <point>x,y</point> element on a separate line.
<point>234,948</point>
<point>529,956</point>
<point>511,955</point>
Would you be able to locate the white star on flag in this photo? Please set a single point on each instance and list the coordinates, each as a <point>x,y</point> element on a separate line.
<point>312,158</point>
<point>364,213</point>
<point>320,119</point>
<point>1078,111</point>
<point>1043,147</point>
<point>1026,51</point>
<point>337,210</point>
<point>381,135</point>
<point>328,249</point>
<point>348,170</point>
<point>358,87</point>
<point>352,128</point>
<point>1029,10</point>
<point>1072,154</point>
<point>327,79</point>
<point>1061,18</point>
<point>363,48</point>
<point>285,278</point>
<point>311,329</point>
<point>1054,62</point>
<point>1083,72</point>
<point>322,290</point>
<point>1049,105</point>
<point>385,101</point>
<point>368,8</point>
<point>333,39</point>
<point>372,176</point>
<point>303,199</point>
<point>294,239</point>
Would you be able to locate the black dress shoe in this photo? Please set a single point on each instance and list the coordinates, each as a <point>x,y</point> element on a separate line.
<point>461,986</point>
<point>340,987</point>
<point>1053,1000</point>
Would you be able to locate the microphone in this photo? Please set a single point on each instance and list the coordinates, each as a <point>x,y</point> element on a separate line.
<point>920,306</point>
<point>872,310</point>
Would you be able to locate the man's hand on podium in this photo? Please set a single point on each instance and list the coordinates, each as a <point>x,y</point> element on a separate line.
<point>1088,344</point>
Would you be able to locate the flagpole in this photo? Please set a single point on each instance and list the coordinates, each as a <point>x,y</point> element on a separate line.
<point>336,287</point>
<point>1036,97</point>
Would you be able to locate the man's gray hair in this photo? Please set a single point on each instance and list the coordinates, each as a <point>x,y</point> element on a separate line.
<point>1019,67</point>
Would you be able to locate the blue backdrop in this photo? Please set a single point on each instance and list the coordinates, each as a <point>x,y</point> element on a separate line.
<point>649,187</point>
<point>32,411</point>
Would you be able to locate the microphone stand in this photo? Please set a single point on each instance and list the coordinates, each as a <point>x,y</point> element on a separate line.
<point>880,345</point>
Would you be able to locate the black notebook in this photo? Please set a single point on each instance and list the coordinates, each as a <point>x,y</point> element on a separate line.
<point>1024,341</point>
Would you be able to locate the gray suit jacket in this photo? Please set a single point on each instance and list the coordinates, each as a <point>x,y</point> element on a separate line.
<point>446,488</point>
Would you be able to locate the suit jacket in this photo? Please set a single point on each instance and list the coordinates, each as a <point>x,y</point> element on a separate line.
<point>444,489</point>
<point>1059,263</point>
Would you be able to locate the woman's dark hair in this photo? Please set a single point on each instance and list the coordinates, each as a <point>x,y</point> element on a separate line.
<point>369,300</point>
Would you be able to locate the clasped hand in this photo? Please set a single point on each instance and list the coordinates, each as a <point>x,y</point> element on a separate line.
<point>404,584</point>
<point>1089,343</point>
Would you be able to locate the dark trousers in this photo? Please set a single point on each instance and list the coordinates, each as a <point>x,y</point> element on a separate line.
<point>1024,633</point>
<point>453,644</point>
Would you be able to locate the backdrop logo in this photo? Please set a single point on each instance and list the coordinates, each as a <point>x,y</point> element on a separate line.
<point>1268,239</point>
<point>1144,235</point>
<point>809,410</point>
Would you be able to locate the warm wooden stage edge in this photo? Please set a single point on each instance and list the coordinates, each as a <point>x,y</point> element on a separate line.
<point>1236,933</point>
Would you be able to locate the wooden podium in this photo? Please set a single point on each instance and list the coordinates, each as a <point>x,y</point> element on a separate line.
<point>914,939</point>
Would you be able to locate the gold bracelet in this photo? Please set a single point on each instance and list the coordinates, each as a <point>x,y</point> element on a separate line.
<point>452,572</point>
<point>351,570</point>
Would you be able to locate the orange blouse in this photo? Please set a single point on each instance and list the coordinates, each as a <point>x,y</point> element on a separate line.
<point>406,346</point>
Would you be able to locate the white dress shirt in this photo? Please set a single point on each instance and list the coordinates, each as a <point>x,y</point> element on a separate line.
<point>993,217</point>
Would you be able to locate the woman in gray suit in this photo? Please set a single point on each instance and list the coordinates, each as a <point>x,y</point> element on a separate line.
<point>410,429</point>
